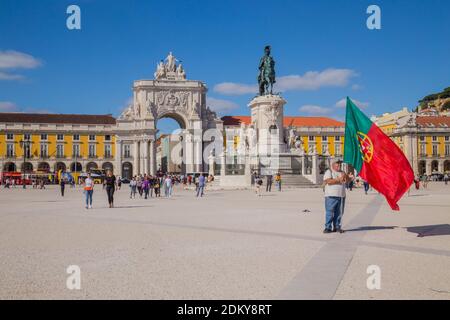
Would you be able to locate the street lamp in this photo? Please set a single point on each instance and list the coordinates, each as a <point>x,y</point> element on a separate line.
<point>25,144</point>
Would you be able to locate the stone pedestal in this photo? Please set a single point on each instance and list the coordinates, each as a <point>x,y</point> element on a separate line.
<point>267,119</point>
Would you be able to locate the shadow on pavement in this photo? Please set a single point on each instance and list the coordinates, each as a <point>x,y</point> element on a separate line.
<point>128,207</point>
<point>431,230</point>
<point>371,228</point>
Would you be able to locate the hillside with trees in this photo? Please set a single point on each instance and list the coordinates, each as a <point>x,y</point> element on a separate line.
<point>440,101</point>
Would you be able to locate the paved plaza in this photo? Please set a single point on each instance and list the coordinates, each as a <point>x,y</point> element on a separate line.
<point>228,245</point>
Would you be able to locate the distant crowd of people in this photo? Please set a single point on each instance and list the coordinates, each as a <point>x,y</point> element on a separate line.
<point>257,182</point>
<point>143,186</point>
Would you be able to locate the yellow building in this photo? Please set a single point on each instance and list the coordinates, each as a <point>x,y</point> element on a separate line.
<point>47,143</point>
<point>424,137</point>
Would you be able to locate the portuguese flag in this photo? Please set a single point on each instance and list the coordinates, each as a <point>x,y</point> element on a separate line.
<point>376,158</point>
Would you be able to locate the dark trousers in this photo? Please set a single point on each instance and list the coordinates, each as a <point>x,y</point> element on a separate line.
<point>110,193</point>
<point>269,186</point>
<point>62,190</point>
<point>146,191</point>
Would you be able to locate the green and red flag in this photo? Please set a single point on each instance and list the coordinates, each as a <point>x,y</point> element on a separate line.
<point>376,158</point>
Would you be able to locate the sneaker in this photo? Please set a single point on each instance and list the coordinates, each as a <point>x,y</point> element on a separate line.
<point>327,231</point>
<point>90,206</point>
<point>87,207</point>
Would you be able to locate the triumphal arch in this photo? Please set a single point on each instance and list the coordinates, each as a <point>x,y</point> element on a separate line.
<point>168,95</point>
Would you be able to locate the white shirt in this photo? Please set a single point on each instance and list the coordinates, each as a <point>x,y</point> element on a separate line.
<point>334,190</point>
<point>88,183</point>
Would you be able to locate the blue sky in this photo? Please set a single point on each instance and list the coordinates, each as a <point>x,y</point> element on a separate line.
<point>323,52</point>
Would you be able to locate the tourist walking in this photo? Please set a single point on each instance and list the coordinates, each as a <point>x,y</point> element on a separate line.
<point>167,186</point>
<point>62,185</point>
<point>119,183</point>
<point>258,184</point>
<point>133,184</point>
<point>157,187</point>
<point>201,185</point>
<point>88,190</point>
<point>425,181</point>
<point>335,180</point>
<point>366,187</point>
<point>139,185</point>
<point>146,187</point>
<point>269,181</point>
<point>278,181</point>
<point>110,184</point>
<point>446,178</point>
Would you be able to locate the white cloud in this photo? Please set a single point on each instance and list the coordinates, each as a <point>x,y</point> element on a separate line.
<point>343,103</point>
<point>7,106</point>
<point>10,59</point>
<point>314,110</point>
<point>311,80</point>
<point>230,88</point>
<point>220,105</point>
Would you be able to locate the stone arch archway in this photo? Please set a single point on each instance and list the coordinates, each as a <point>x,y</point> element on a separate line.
<point>60,166</point>
<point>447,166</point>
<point>9,167</point>
<point>127,170</point>
<point>180,118</point>
<point>108,166</point>
<point>91,166</point>
<point>434,166</point>
<point>43,167</point>
<point>422,167</point>
<point>27,167</point>
<point>76,167</point>
<point>169,95</point>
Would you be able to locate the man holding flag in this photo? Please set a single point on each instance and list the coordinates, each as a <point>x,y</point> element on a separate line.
<point>335,180</point>
<point>376,158</point>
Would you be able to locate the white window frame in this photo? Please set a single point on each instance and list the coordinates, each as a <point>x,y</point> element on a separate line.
<point>60,150</point>
<point>43,150</point>
<point>92,154</point>
<point>108,151</point>
<point>10,147</point>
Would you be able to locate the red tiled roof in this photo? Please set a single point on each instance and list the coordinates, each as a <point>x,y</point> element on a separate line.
<point>57,118</point>
<point>436,121</point>
<point>287,121</point>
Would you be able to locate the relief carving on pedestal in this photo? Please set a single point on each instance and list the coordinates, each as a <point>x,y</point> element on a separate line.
<point>272,113</point>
